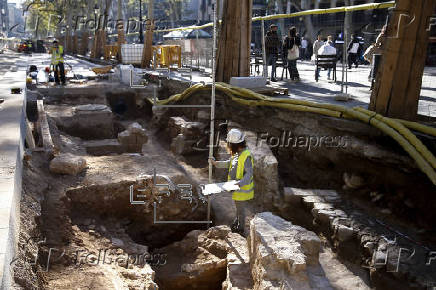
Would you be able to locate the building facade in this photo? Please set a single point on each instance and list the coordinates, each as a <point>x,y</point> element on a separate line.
<point>4,18</point>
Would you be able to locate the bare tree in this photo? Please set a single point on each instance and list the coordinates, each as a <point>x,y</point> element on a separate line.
<point>299,5</point>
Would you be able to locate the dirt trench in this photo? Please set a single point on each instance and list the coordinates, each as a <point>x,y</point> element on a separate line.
<point>109,227</point>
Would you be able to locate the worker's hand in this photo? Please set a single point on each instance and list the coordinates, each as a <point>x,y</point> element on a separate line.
<point>212,161</point>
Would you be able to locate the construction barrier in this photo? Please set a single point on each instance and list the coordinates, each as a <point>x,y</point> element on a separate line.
<point>110,51</point>
<point>168,55</point>
<point>131,53</point>
<point>395,128</point>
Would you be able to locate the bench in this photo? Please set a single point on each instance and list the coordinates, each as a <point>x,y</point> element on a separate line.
<point>256,60</point>
<point>186,72</point>
<point>327,62</point>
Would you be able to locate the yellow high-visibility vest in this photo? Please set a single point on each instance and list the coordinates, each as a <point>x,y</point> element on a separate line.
<point>56,55</point>
<point>246,192</point>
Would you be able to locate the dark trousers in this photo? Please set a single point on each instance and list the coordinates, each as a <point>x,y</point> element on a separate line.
<point>293,71</point>
<point>243,209</point>
<point>59,69</point>
<point>352,58</point>
<point>302,53</point>
<point>271,59</point>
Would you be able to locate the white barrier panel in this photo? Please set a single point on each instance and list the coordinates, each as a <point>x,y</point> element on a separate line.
<point>248,82</point>
<point>131,53</point>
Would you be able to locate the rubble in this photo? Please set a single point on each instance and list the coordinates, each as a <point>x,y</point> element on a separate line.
<point>67,163</point>
<point>185,135</point>
<point>133,138</point>
<point>209,258</point>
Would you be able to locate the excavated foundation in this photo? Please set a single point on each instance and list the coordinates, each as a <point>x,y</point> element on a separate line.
<point>134,192</point>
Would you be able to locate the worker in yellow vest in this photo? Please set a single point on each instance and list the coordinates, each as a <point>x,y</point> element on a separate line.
<point>57,60</point>
<point>240,167</point>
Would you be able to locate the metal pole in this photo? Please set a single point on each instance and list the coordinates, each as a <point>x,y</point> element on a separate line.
<point>212,104</point>
<point>344,56</point>
<point>265,67</point>
<point>141,31</point>
<point>346,29</point>
<point>198,50</point>
<point>346,71</point>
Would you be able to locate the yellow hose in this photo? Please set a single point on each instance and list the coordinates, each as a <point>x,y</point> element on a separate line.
<point>405,132</point>
<point>418,127</point>
<point>395,128</point>
<point>246,93</point>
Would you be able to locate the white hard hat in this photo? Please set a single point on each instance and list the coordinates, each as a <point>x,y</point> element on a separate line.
<point>235,136</point>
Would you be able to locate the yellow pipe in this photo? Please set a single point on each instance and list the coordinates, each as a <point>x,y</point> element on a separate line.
<point>405,132</point>
<point>418,127</point>
<point>394,128</point>
<point>248,93</point>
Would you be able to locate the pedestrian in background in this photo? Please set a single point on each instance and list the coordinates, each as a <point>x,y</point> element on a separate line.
<point>317,45</point>
<point>57,61</point>
<point>291,46</point>
<point>272,46</point>
<point>303,52</point>
<point>375,49</point>
<point>327,49</point>
<point>353,52</point>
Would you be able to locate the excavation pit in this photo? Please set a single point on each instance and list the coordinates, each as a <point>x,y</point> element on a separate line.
<point>125,142</point>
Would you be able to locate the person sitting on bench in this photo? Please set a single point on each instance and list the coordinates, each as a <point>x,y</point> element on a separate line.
<point>327,49</point>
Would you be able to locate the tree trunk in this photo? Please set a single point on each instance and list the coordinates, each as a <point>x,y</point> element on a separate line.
<point>120,29</point>
<point>281,20</point>
<point>307,20</point>
<point>147,51</point>
<point>234,42</point>
<point>68,38</point>
<point>100,37</point>
<point>84,43</point>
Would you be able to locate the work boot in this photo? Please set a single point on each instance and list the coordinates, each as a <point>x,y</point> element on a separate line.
<point>235,226</point>
<point>273,79</point>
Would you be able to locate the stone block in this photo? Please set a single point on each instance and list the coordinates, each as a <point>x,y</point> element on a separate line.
<point>280,252</point>
<point>248,82</point>
<point>67,164</point>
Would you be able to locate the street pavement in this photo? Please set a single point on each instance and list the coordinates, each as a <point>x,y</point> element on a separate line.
<point>324,90</point>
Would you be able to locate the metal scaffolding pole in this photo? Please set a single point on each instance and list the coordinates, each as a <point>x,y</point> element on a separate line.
<point>265,67</point>
<point>344,84</point>
<point>212,105</point>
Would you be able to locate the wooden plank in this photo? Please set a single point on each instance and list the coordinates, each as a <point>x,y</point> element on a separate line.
<point>227,41</point>
<point>29,136</point>
<point>383,86</point>
<point>399,79</point>
<point>221,51</point>
<point>248,32</point>
<point>404,62</point>
<point>47,142</point>
<point>244,39</point>
<point>236,41</point>
<point>417,69</point>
